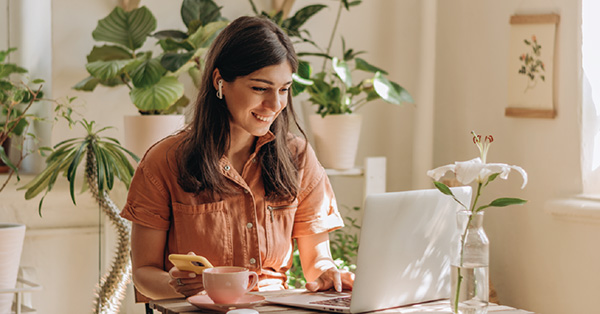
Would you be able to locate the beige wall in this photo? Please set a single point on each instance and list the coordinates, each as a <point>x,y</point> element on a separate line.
<point>539,262</point>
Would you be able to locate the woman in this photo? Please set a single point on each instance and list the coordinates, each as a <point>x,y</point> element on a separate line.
<point>235,186</point>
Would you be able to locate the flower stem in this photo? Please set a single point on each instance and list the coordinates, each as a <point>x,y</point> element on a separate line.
<point>463,239</point>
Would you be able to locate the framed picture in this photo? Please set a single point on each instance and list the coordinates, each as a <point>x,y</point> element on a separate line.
<point>531,66</point>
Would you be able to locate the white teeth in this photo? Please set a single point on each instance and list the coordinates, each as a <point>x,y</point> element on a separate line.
<point>261,118</point>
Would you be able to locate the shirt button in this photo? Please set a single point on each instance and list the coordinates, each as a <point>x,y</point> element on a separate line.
<point>254,160</point>
<point>249,225</point>
<point>252,261</point>
<point>227,168</point>
<point>246,191</point>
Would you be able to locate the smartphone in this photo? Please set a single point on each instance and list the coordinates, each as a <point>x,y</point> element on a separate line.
<point>195,263</point>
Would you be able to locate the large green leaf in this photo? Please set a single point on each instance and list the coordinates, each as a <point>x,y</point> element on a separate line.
<point>105,70</point>
<point>108,53</point>
<point>147,73</point>
<point>294,23</point>
<point>203,36</point>
<point>88,84</point>
<point>390,91</point>
<point>204,11</point>
<point>365,66</point>
<point>159,96</point>
<point>342,70</point>
<point>129,29</point>
<point>172,61</point>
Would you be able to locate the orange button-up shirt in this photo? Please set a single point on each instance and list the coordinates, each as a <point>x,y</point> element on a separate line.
<point>241,229</point>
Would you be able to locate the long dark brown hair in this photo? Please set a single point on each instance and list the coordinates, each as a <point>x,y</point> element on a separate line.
<point>246,45</point>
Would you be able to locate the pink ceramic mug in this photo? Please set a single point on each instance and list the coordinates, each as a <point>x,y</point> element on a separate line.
<point>227,284</point>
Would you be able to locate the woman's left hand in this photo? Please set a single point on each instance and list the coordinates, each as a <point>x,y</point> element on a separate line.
<point>332,278</point>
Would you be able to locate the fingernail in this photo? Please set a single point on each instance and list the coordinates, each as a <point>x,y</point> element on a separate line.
<point>192,275</point>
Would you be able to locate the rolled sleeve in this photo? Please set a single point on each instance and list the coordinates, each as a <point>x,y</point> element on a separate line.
<point>147,201</point>
<point>317,207</point>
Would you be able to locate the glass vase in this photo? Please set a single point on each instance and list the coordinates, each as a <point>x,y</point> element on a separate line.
<point>470,265</point>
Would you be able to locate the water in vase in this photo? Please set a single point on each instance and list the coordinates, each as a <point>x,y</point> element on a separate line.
<point>472,284</point>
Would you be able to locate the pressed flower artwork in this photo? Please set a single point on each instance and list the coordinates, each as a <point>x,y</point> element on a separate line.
<point>530,65</point>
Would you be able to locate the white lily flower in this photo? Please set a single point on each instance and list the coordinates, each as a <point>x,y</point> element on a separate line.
<point>475,169</point>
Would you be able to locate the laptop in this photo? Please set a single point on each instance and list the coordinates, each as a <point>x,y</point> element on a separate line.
<point>403,256</point>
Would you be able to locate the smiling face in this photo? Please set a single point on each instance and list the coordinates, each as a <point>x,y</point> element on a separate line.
<point>255,100</point>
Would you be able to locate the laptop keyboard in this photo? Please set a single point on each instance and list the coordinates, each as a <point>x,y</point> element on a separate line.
<point>341,301</point>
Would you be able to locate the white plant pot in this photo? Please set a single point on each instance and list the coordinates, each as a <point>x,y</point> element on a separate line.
<point>141,132</point>
<point>336,139</point>
<point>11,246</point>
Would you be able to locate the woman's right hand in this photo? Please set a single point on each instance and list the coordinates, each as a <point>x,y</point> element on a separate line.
<point>185,282</point>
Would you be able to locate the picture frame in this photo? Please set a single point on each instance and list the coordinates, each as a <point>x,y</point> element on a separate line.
<point>531,66</point>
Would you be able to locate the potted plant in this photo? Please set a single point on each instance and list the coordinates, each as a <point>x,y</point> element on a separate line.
<point>337,94</point>
<point>105,161</point>
<point>152,79</point>
<point>16,98</point>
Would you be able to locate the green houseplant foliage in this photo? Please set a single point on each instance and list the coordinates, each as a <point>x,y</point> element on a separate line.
<point>16,98</point>
<point>293,25</point>
<point>105,160</point>
<point>152,80</point>
<point>334,89</point>
<point>110,161</point>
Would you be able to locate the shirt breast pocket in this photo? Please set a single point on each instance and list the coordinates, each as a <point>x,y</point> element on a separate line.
<point>203,229</point>
<point>280,223</point>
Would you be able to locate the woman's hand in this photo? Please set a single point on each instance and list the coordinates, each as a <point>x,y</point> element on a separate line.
<point>332,278</point>
<point>185,282</point>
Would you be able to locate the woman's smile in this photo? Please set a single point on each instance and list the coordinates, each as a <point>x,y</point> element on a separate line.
<point>256,100</point>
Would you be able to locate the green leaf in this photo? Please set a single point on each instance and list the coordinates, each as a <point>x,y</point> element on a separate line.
<point>301,16</point>
<point>5,53</point>
<point>9,68</point>
<point>72,171</point>
<point>108,53</point>
<point>365,66</point>
<point>159,96</point>
<point>446,190</point>
<point>343,72</point>
<point>148,73</point>
<point>88,84</point>
<point>203,36</point>
<point>204,11</point>
<point>172,61</point>
<point>390,91</point>
<point>491,178</point>
<point>443,188</point>
<point>506,201</point>
<point>170,34</point>
<point>7,161</point>
<point>105,70</point>
<point>129,29</point>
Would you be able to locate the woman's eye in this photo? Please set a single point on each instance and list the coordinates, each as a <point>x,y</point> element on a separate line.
<point>259,89</point>
<point>284,90</point>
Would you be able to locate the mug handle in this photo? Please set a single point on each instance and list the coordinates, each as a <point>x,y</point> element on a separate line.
<point>253,281</point>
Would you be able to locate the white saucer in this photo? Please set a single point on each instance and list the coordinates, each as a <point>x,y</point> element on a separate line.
<point>204,302</point>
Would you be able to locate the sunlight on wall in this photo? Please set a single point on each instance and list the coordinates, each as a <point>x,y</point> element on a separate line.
<point>591,98</point>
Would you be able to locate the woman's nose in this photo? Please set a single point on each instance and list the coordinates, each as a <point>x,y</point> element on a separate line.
<point>275,101</point>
